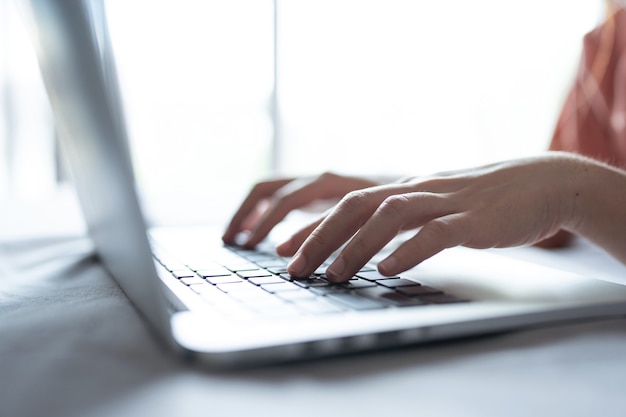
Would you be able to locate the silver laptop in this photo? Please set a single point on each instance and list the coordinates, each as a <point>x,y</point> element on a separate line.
<point>229,307</point>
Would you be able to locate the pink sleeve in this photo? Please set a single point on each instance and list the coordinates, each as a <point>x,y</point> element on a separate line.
<point>593,119</point>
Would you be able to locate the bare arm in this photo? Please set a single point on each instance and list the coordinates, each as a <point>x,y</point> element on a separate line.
<point>507,204</point>
<point>600,207</point>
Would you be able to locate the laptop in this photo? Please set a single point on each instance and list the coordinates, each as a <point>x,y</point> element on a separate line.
<point>228,307</point>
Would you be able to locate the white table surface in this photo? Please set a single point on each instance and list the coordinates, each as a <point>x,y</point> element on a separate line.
<point>71,345</point>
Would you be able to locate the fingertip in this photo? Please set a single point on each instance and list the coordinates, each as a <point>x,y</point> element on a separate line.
<point>388,266</point>
<point>251,239</point>
<point>337,270</point>
<point>297,266</point>
<point>286,248</point>
<point>228,237</point>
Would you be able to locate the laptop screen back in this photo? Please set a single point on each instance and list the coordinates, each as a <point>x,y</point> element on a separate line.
<point>75,59</point>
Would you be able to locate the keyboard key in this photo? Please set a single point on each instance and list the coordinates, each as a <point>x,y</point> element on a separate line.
<point>418,290</point>
<point>328,289</point>
<point>278,270</point>
<point>214,272</point>
<point>273,263</point>
<point>192,280</point>
<point>312,282</point>
<point>283,286</point>
<point>202,288</point>
<point>202,264</point>
<point>232,287</point>
<point>354,284</point>
<point>266,280</point>
<point>254,273</point>
<point>240,265</point>
<point>224,279</point>
<point>171,264</point>
<point>372,275</point>
<point>257,257</point>
<point>183,273</point>
<point>354,301</point>
<point>389,297</point>
<point>396,282</point>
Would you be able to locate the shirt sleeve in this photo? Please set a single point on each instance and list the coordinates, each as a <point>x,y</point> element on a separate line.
<point>593,118</point>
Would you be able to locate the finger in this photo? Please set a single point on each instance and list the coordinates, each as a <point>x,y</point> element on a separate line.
<point>298,194</point>
<point>258,193</point>
<point>293,196</point>
<point>289,247</point>
<point>436,235</point>
<point>396,213</point>
<point>338,227</point>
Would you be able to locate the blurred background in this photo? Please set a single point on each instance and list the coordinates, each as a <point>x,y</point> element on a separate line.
<point>219,94</point>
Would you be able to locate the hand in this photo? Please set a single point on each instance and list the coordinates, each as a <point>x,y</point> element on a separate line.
<point>269,202</point>
<point>506,204</point>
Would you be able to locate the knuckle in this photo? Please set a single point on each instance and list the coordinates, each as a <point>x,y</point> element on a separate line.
<point>280,199</point>
<point>285,198</point>
<point>439,183</point>
<point>394,206</point>
<point>448,231</point>
<point>258,189</point>
<point>263,189</point>
<point>437,227</point>
<point>354,200</point>
<point>435,233</point>
<point>327,175</point>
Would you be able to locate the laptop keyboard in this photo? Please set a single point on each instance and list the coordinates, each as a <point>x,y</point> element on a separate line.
<point>240,282</point>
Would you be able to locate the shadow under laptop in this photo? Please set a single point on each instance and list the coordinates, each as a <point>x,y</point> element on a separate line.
<point>491,373</point>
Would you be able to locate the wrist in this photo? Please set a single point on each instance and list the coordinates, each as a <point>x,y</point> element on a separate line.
<point>594,197</point>
<point>575,191</point>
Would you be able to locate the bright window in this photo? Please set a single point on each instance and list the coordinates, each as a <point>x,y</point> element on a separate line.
<point>412,87</point>
<point>197,80</point>
<point>360,86</point>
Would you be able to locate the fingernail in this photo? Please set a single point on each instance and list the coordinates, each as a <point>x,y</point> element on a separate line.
<point>241,238</point>
<point>297,265</point>
<point>336,269</point>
